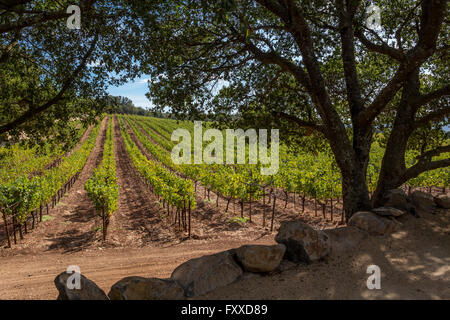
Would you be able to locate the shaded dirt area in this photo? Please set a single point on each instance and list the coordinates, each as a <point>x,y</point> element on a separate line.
<point>414,264</point>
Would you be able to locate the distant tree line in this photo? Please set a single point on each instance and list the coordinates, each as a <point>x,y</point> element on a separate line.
<point>124,105</point>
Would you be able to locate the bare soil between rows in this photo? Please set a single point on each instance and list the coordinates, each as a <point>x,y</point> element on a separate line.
<point>70,225</point>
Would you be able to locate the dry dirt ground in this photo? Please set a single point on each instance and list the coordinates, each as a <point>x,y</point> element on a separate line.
<point>30,276</point>
<point>414,262</point>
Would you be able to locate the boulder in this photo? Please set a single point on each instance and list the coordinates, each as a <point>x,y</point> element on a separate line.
<point>303,243</point>
<point>344,240</point>
<point>423,202</point>
<point>388,212</point>
<point>258,258</point>
<point>412,210</point>
<point>201,275</point>
<point>372,223</point>
<point>88,289</point>
<point>442,201</point>
<point>140,288</point>
<point>396,198</point>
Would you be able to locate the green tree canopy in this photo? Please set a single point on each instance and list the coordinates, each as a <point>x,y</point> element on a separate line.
<point>50,73</point>
<point>309,64</point>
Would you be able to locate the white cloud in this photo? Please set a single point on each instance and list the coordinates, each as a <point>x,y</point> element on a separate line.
<point>96,63</point>
<point>143,80</point>
<point>141,101</point>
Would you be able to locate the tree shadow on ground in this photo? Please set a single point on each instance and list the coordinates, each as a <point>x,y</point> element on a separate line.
<point>414,264</point>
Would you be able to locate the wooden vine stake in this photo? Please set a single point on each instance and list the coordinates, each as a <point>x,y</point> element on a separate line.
<point>104,223</point>
<point>184,216</point>
<point>14,229</point>
<point>20,231</point>
<point>264,208</point>
<point>250,209</point>
<point>228,204</point>
<point>273,212</point>
<point>33,222</point>
<point>189,219</point>
<point>303,203</point>
<point>6,229</point>
<point>324,207</point>
<point>331,202</point>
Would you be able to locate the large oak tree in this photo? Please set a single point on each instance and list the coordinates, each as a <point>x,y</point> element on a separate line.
<point>289,63</point>
<point>314,65</point>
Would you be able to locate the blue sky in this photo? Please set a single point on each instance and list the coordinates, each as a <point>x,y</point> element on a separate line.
<point>134,90</point>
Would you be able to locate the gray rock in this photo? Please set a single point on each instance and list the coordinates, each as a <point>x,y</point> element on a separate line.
<point>259,258</point>
<point>372,223</point>
<point>442,201</point>
<point>88,289</point>
<point>396,198</point>
<point>412,210</point>
<point>344,240</point>
<point>201,275</point>
<point>303,243</point>
<point>140,288</point>
<point>423,202</point>
<point>388,212</point>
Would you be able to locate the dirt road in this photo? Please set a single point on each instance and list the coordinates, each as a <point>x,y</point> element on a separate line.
<point>31,276</point>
